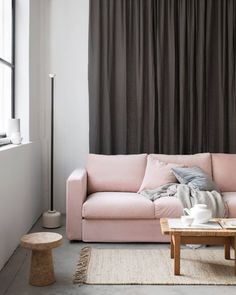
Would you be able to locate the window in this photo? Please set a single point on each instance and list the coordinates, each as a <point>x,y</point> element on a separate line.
<point>7,62</point>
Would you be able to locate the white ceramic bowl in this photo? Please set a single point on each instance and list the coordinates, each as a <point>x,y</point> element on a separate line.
<point>187,220</point>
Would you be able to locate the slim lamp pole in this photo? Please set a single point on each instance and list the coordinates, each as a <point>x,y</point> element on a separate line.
<point>52,218</point>
<point>52,76</point>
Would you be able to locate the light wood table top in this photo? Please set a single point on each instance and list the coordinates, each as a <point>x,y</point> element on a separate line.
<point>195,231</point>
<point>41,241</point>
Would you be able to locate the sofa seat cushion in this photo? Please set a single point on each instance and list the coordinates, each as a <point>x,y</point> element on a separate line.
<point>168,207</point>
<point>230,199</point>
<point>117,205</point>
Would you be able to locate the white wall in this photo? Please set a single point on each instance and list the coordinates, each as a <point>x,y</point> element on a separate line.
<point>68,58</point>
<point>39,114</point>
<point>52,36</point>
<point>37,63</point>
<point>20,197</point>
<point>21,167</point>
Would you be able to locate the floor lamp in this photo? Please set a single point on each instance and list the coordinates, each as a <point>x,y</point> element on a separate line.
<point>52,218</point>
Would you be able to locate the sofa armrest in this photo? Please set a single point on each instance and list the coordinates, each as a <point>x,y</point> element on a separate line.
<point>76,193</point>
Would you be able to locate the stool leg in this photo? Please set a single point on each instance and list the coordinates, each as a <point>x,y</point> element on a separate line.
<point>41,270</point>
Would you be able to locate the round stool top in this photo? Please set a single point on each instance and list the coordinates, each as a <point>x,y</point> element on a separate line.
<point>41,241</point>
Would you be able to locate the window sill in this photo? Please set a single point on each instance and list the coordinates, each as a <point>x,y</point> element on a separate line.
<point>13,146</point>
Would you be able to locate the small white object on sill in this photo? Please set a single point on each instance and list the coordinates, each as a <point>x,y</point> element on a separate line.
<point>13,126</point>
<point>16,138</point>
<point>13,131</point>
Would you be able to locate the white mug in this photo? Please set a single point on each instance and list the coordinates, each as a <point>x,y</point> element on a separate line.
<point>187,220</point>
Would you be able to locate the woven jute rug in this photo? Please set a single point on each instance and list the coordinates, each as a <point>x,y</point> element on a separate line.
<point>153,267</point>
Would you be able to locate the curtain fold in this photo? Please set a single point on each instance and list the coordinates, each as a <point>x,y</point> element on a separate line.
<point>162,76</point>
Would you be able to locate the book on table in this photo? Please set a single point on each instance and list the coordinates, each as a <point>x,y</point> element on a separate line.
<point>176,223</point>
<point>229,223</point>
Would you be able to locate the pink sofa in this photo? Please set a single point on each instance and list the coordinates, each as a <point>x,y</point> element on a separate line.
<point>103,204</point>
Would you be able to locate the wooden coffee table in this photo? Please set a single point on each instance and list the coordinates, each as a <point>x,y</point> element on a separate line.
<point>226,237</point>
<point>41,244</point>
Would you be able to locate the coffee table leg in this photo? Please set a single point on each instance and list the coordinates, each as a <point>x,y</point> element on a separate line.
<point>41,271</point>
<point>177,254</point>
<point>227,249</point>
<point>171,247</point>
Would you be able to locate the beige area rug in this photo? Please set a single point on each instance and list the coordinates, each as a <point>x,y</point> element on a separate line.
<point>153,267</point>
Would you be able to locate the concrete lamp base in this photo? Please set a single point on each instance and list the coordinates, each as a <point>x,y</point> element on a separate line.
<point>51,219</point>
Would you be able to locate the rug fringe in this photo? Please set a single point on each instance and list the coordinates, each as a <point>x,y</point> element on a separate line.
<point>82,266</point>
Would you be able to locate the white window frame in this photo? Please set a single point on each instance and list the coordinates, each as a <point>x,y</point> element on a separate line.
<point>11,65</point>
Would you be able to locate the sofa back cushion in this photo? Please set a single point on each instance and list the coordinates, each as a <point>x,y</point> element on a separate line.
<point>202,160</point>
<point>157,174</point>
<point>195,177</point>
<point>122,173</point>
<point>224,171</point>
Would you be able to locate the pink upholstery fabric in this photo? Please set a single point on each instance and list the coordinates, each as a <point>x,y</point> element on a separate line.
<point>202,160</point>
<point>224,171</point>
<point>75,196</point>
<point>157,173</point>
<point>168,207</point>
<point>116,205</point>
<point>122,173</point>
<point>128,217</point>
<point>230,199</point>
<point>147,230</point>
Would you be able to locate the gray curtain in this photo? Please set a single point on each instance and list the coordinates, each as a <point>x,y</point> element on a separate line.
<point>162,76</point>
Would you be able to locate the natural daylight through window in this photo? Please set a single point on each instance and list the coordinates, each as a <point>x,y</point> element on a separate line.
<point>7,62</point>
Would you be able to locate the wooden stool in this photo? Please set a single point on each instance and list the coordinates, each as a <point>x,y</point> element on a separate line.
<point>41,244</point>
